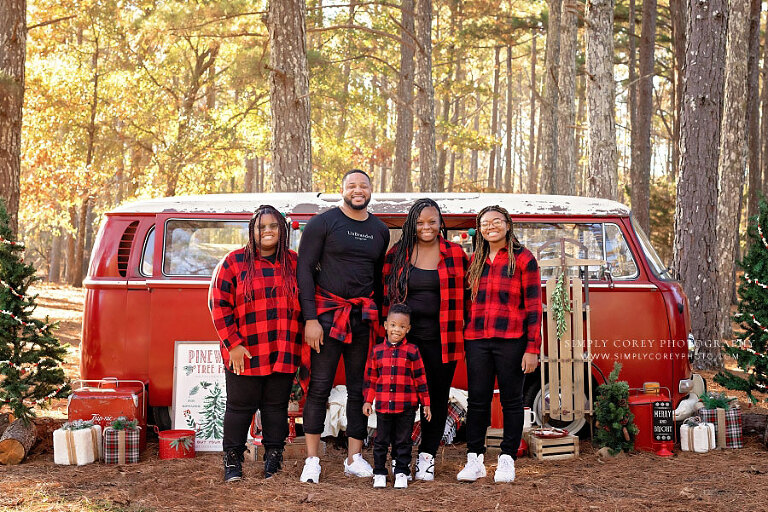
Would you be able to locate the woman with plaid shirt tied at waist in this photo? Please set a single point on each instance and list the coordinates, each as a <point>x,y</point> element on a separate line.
<point>427,272</point>
<point>502,338</point>
<point>254,304</point>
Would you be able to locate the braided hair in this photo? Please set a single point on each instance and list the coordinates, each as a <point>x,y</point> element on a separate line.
<point>482,248</point>
<point>290,286</point>
<point>397,281</point>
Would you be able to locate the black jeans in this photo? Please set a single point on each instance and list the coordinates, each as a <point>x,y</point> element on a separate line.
<point>394,429</point>
<point>245,395</point>
<point>439,378</point>
<point>323,370</point>
<point>486,360</point>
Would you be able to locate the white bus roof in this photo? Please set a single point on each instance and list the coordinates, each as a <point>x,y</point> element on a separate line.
<point>312,203</point>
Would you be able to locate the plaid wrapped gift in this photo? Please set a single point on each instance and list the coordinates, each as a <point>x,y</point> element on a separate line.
<point>733,431</point>
<point>121,446</point>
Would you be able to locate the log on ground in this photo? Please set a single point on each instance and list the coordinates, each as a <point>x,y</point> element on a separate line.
<point>17,441</point>
<point>6,418</point>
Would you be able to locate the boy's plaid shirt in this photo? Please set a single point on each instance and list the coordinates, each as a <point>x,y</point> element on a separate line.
<point>395,377</point>
<point>268,325</point>
<point>454,300</point>
<point>508,307</point>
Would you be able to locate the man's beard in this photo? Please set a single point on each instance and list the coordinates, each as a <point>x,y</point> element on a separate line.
<point>357,207</point>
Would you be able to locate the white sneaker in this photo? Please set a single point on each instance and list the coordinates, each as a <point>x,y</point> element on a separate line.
<point>425,468</point>
<point>379,481</point>
<point>311,471</point>
<point>401,481</point>
<point>473,470</point>
<point>505,471</point>
<point>394,463</point>
<point>359,467</point>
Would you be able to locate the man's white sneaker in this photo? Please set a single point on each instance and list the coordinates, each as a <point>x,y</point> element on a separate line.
<point>473,470</point>
<point>311,471</point>
<point>425,468</point>
<point>401,481</point>
<point>505,471</point>
<point>359,467</point>
<point>394,463</point>
<point>379,481</point>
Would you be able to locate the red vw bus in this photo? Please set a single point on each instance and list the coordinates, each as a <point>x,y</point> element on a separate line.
<point>151,265</point>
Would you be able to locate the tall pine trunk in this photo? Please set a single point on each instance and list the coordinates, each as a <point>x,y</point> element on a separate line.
<point>641,152</point>
<point>510,104</point>
<point>733,151</point>
<point>602,171</point>
<point>764,117</point>
<point>13,43</point>
<point>632,87</point>
<point>566,124</point>
<point>425,99</point>
<point>677,13</point>
<point>695,245</point>
<point>289,97</point>
<point>550,106</point>
<point>531,128</point>
<point>494,119</point>
<point>753,109</point>
<point>401,173</point>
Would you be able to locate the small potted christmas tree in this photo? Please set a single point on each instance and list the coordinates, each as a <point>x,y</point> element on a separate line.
<point>30,356</point>
<point>616,429</point>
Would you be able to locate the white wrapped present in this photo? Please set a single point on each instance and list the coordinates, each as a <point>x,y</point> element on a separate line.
<point>697,436</point>
<point>77,443</point>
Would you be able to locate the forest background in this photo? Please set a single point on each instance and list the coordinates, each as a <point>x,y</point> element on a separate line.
<point>654,103</point>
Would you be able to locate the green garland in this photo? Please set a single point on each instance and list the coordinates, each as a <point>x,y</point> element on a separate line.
<point>560,304</point>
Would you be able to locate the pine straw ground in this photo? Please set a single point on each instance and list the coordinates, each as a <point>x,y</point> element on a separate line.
<point>732,479</point>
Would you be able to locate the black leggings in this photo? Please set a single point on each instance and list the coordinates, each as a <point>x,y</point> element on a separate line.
<point>245,395</point>
<point>439,378</point>
<point>487,360</point>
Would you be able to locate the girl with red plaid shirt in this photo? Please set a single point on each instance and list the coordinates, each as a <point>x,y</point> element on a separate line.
<point>254,304</point>
<point>502,338</point>
<point>428,273</point>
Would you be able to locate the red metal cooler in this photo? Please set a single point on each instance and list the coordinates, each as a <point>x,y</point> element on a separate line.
<point>103,401</point>
<point>654,419</point>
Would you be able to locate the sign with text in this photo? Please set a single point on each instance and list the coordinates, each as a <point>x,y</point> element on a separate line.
<point>199,392</point>
<point>663,421</point>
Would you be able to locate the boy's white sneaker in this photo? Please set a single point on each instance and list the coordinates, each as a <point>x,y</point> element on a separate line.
<point>311,471</point>
<point>379,481</point>
<point>425,468</point>
<point>401,481</point>
<point>474,468</point>
<point>394,463</point>
<point>359,467</point>
<point>505,471</point>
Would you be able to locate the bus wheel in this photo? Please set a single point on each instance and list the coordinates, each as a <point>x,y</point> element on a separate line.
<point>571,426</point>
<point>162,417</point>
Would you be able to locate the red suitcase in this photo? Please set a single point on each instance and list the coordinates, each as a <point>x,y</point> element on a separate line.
<point>103,401</point>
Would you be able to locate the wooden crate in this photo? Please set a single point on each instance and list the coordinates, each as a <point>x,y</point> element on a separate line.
<point>561,448</point>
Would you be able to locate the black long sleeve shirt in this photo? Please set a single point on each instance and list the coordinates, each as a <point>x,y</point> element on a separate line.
<point>341,255</point>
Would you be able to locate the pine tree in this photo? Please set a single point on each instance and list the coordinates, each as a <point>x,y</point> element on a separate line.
<point>212,421</point>
<point>615,423</point>
<point>750,349</point>
<point>30,356</point>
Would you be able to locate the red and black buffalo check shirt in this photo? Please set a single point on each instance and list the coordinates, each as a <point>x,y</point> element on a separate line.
<point>395,377</point>
<point>452,271</point>
<point>507,306</point>
<point>268,325</point>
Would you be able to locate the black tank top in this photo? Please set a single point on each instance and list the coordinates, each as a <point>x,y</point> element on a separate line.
<point>424,300</point>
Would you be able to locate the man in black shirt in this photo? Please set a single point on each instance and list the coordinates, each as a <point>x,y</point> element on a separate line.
<point>339,273</point>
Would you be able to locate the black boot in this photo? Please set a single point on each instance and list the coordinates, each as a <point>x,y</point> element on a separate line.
<point>233,466</point>
<point>273,461</point>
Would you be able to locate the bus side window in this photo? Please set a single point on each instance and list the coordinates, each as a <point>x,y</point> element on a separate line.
<point>148,253</point>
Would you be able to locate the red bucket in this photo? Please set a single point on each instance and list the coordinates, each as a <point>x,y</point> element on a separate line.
<point>176,444</point>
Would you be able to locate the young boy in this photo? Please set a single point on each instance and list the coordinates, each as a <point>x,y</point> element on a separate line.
<point>395,378</point>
